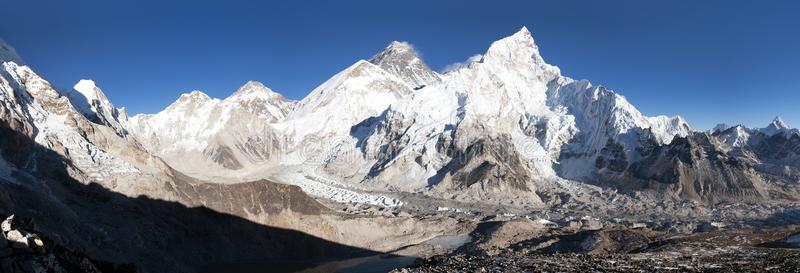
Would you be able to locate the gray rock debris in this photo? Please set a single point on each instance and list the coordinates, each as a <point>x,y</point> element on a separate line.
<point>24,251</point>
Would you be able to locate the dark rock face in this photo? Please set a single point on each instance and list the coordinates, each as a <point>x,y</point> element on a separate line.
<point>400,59</point>
<point>392,127</point>
<point>24,251</point>
<point>244,199</point>
<point>612,157</point>
<point>702,168</point>
<point>488,161</point>
<point>696,168</point>
<point>222,155</point>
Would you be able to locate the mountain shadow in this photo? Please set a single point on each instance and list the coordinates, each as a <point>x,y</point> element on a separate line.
<point>154,235</point>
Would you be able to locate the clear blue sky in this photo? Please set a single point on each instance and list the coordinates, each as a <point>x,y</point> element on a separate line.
<point>715,61</point>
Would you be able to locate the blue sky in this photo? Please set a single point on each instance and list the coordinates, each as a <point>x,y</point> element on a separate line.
<point>715,61</point>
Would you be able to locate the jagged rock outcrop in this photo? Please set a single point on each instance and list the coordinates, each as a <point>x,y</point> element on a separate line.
<point>22,250</point>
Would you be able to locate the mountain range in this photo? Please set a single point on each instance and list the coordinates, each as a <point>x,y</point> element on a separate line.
<point>503,130</point>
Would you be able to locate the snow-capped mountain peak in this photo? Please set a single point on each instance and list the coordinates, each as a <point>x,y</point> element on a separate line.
<point>736,136</point>
<point>195,97</point>
<point>256,98</point>
<point>402,60</point>
<point>518,47</point>
<point>778,123</point>
<point>86,87</point>
<point>358,92</point>
<point>778,126</point>
<point>255,89</point>
<point>720,127</point>
<point>90,101</point>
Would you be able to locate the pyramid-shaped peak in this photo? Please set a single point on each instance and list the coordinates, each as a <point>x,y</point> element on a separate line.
<point>193,98</point>
<point>395,51</point>
<point>721,127</point>
<point>255,89</point>
<point>520,46</point>
<point>85,86</point>
<point>90,101</point>
<point>403,61</point>
<point>778,123</point>
<point>194,95</point>
<point>523,32</point>
<point>777,126</point>
<point>253,86</point>
<point>90,91</point>
<point>522,36</point>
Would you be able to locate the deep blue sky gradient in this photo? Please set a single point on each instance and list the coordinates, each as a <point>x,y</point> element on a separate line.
<point>709,61</point>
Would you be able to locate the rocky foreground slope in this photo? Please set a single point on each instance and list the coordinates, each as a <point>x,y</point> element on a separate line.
<point>525,246</point>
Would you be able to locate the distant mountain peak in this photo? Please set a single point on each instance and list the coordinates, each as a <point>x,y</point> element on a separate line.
<point>256,88</point>
<point>778,126</point>
<point>195,96</point>
<point>721,127</point>
<point>778,122</point>
<point>402,60</point>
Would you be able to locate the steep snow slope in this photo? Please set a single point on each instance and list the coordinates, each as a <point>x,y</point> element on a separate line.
<point>360,91</point>
<point>506,124</point>
<point>90,100</point>
<point>322,120</point>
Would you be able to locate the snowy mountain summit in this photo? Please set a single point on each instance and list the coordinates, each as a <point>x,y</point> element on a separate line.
<point>504,127</point>
<point>93,103</point>
<point>402,60</point>
<point>777,126</point>
<point>500,127</point>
